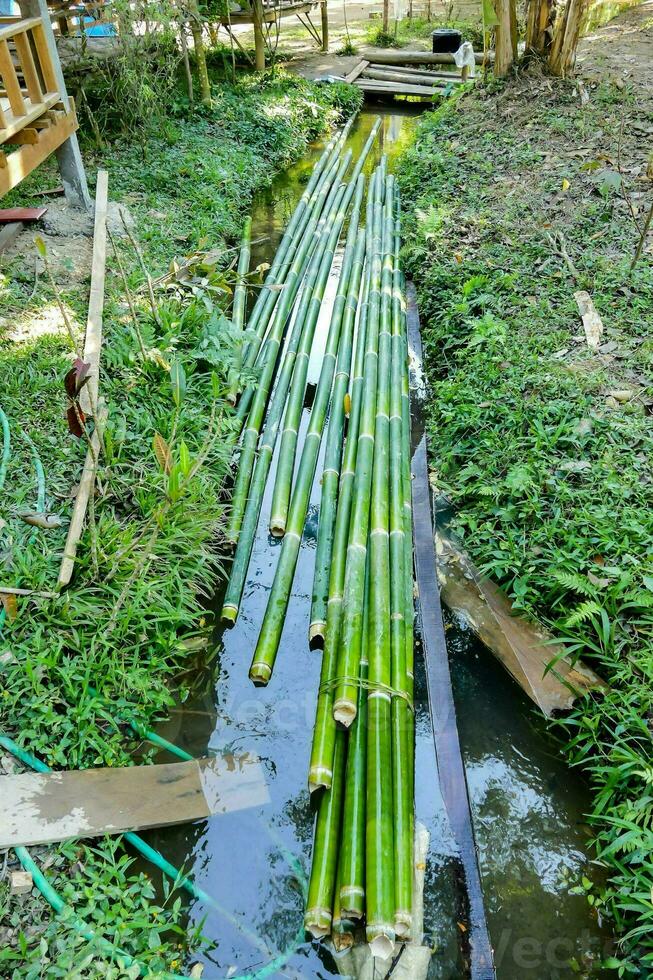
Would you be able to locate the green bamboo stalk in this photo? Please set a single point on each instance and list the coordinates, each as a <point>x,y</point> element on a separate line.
<point>342,404</point>
<point>321,888</point>
<point>401,777</point>
<point>408,503</point>
<point>352,848</point>
<point>282,311</point>
<point>267,297</point>
<point>342,319</point>
<point>299,257</point>
<point>286,464</point>
<point>238,309</point>
<point>379,856</point>
<point>324,732</point>
<point>318,271</point>
<point>345,699</point>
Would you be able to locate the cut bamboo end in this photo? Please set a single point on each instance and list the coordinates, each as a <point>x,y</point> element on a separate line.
<point>229,615</point>
<point>381,940</point>
<point>342,939</point>
<point>260,673</point>
<point>317,922</point>
<point>319,777</point>
<point>316,635</point>
<point>403,924</point>
<point>277,527</point>
<point>352,902</point>
<point>344,712</point>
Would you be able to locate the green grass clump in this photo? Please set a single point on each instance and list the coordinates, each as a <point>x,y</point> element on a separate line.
<point>542,445</point>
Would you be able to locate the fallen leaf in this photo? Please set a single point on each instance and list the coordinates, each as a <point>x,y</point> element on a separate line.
<point>37,519</point>
<point>575,465</point>
<point>10,605</point>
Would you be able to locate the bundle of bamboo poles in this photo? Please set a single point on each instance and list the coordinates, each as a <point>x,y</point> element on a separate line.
<point>361,765</point>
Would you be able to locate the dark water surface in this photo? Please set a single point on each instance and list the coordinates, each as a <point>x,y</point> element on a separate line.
<point>528,806</point>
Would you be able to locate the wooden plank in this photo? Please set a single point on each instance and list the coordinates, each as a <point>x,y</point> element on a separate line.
<point>25,159</point>
<point>28,68</point>
<point>405,77</point>
<point>451,769</point>
<point>28,135</point>
<point>44,808</point>
<point>31,116</point>
<point>8,215</point>
<point>10,79</point>
<point>358,70</point>
<point>401,57</point>
<point>447,76</point>
<point>45,57</point>
<point>8,33</point>
<point>89,399</point>
<point>394,88</point>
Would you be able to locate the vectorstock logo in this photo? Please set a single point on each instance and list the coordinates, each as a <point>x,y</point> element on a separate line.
<point>558,956</point>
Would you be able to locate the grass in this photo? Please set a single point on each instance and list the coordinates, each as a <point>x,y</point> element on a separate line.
<point>543,446</point>
<point>133,622</point>
<point>419,28</point>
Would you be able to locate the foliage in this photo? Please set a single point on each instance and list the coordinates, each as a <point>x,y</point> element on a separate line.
<point>100,884</point>
<point>133,621</point>
<point>131,91</point>
<point>417,28</point>
<point>543,446</point>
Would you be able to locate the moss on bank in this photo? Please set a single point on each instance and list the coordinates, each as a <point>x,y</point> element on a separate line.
<point>515,199</point>
<point>133,619</point>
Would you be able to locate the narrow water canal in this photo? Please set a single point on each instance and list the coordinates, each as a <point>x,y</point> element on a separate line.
<point>528,806</point>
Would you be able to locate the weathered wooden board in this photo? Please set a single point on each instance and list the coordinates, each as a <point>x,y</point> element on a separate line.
<point>356,71</point>
<point>42,808</point>
<point>8,215</point>
<point>403,76</point>
<point>395,88</point>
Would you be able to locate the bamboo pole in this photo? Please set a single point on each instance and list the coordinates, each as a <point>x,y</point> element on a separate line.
<point>319,915</point>
<point>343,403</point>
<point>344,706</point>
<point>286,464</point>
<point>400,709</point>
<point>324,732</point>
<point>238,307</point>
<point>280,317</point>
<point>343,316</point>
<point>351,879</point>
<point>379,856</point>
<point>89,400</point>
<point>268,295</point>
<point>322,258</point>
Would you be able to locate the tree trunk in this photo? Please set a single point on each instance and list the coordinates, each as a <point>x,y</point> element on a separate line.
<point>503,46</point>
<point>200,54</point>
<point>539,26</point>
<point>386,16</point>
<point>325,25</point>
<point>566,33</point>
<point>259,43</point>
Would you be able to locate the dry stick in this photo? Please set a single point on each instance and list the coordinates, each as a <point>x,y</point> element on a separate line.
<point>640,246</point>
<point>89,397</point>
<point>184,54</point>
<point>141,262</point>
<point>128,294</point>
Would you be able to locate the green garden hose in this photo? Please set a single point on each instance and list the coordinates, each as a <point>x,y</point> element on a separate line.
<point>40,474</point>
<point>58,904</point>
<point>6,447</point>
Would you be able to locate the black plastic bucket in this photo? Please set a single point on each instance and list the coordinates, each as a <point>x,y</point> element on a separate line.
<point>446,39</point>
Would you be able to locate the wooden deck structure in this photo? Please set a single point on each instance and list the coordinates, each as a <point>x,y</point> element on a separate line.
<point>376,79</point>
<point>262,15</point>
<point>35,116</point>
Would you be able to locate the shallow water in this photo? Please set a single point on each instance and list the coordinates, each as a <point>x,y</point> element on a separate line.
<point>528,806</point>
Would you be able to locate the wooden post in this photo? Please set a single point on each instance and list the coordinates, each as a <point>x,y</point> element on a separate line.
<point>259,43</point>
<point>562,56</point>
<point>325,25</point>
<point>69,158</point>
<point>503,58</point>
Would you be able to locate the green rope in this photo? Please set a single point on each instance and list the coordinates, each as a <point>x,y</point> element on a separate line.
<point>6,447</point>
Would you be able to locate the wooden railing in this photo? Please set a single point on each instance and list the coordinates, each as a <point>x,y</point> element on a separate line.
<point>35,117</point>
<point>29,86</point>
